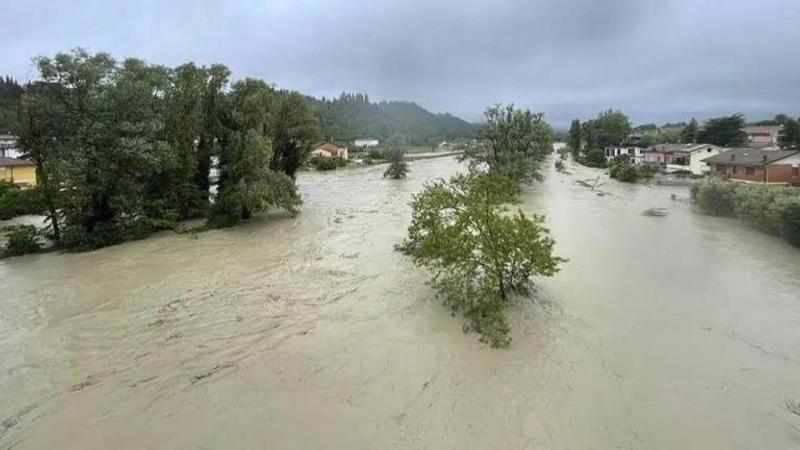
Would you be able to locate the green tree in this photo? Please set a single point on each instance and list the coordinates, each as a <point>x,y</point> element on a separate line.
<point>294,131</point>
<point>789,137</point>
<point>247,184</point>
<point>609,128</point>
<point>213,128</point>
<point>516,142</point>
<point>690,132</point>
<point>481,251</point>
<point>575,137</point>
<point>724,131</point>
<point>395,154</point>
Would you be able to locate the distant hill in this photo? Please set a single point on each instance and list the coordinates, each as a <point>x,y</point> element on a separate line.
<point>353,116</point>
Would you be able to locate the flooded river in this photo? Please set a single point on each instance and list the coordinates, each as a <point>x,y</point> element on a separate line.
<point>311,332</point>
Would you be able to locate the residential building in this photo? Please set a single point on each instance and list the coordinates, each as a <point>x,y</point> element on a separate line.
<point>329,150</point>
<point>365,143</point>
<point>757,165</point>
<point>18,171</point>
<point>761,136</point>
<point>634,151</point>
<point>9,147</point>
<point>681,157</point>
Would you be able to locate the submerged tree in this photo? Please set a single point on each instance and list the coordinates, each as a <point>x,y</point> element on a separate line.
<point>395,154</point>
<point>575,137</point>
<point>516,142</point>
<point>481,250</point>
<point>294,132</point>
<point>247,184</point>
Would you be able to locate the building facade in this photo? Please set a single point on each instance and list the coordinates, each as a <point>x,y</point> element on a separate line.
<point>20,172</point>
<point>329,150</point>
<point>365,143</point>
<point>757,165</point>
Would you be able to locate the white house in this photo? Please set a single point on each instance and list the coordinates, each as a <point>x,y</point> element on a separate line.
<point>634,151</point>
<point>9,147</point>
<point>698,154</point>
<point>365,143</point>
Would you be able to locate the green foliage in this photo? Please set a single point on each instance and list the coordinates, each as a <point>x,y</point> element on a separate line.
<point>724,131</point>
<point>22,240</point>
<point>480,249</point>
<point>327,163</point>
<point>773,209</point>
<point>623,169</point>
<point>294,132</point>
<point>690,132</point>
<point>515,143</point>
<point>125,148</point>
<point>609,128</point>
<point>375,153</point>
<point>353,116</point>
<point>593,158</point>
<point>19,202</point>
<point>10,96</point>
<point>395,153</point>
<point>575,137</point>
<point>789,137</point>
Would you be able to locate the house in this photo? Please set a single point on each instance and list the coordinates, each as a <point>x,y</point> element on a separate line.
<point>697,156</point>
<point>329,150</point>
<point>681,157</point>
<point>761,136</point>
<point>9,147</point>
<point>634,151</point>
<point>18,171</point>
<point>757,165</point>
<point>365,143</point>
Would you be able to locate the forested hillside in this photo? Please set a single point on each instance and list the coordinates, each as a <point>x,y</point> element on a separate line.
<point>353,116</point>
<point>10,93</point>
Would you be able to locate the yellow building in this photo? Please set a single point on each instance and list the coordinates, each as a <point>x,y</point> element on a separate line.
<point>18,171</point>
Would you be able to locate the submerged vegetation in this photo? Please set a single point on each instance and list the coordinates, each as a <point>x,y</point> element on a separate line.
<point>396,155</point>
<point>772,209</point>
<point>126,148</point>
<point>623,169</point>
<point>465,229</point>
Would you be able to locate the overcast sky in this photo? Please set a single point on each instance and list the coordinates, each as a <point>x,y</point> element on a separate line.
<point>657,60</point>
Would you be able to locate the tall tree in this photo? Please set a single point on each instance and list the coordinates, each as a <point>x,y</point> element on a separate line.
<point>213,128</point>
<point>789,137</point>
<point>516,142</point>
<point>690,132</point>
<point>294,132</point>
<point>247,184</point>
<point>609,128</point>
<point>724,131</point>
<point>575,136</point>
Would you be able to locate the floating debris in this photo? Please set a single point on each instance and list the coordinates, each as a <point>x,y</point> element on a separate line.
<point>655,212</point>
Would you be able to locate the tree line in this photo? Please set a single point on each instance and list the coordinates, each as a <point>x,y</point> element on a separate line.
<point>123,148</point>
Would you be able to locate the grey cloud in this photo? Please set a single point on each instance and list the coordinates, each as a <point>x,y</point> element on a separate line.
<point>658,60</point>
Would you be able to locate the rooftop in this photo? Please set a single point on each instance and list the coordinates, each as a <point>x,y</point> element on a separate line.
<point>13,162</point>
<point>750,156</point>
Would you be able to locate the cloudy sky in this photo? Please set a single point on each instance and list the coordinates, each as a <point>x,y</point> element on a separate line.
<point>657,60</point>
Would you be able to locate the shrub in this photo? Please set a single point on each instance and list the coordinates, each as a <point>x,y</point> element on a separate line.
<point>22,239</point>
<point>327,163</point>
<point>593,158</point>
<point>19,202</point>
<point>715,196</point>
<point>375,153</point>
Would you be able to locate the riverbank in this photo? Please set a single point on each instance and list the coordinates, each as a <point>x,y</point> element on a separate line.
<point>300,331</point>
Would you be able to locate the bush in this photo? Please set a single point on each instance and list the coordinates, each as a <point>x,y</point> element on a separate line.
<point>715,196</point>
<point>773,209</point>
<point>22,239</point>
<point>327,163</point>
<point>19,202</point>
<point>622,169</point>
<point>374,154</point>
<point>593,158</point>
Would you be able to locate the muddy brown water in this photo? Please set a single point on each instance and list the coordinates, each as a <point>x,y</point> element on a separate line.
<point>311,332</point>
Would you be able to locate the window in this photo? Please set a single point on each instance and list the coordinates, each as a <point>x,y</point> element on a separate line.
<point>750,171</point>
<point>734,170</point>
<point>795,171</point>
<point>720,168</point>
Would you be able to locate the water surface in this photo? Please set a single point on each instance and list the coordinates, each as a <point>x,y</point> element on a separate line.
<point>311,332</point>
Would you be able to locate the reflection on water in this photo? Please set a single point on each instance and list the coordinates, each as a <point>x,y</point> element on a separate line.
<point>311,332</point>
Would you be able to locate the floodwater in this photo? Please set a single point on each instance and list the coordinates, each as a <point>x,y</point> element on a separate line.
<point>311,332</point>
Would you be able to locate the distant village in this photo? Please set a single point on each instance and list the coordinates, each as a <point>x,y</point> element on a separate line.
<point>761,161</point>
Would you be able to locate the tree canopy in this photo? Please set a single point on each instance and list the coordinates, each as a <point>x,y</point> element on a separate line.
<point>724,131</point>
